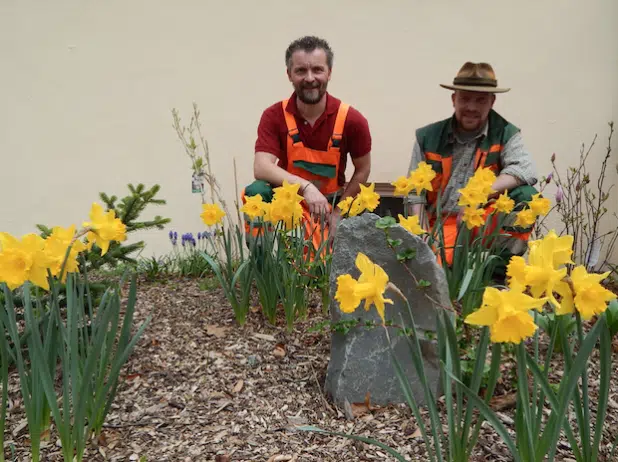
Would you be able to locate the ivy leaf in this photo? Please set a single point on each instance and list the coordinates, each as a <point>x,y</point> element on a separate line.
<point>386,222</point>
<point>422,283</point>
<point>407,254</point>
<point>394,242</point>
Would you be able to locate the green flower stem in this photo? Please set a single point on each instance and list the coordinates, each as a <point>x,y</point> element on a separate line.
<point>494,374</point>
<point>535,404</point>
<point>525,435</point>
<point>475,387</point>
<point>4,375</point>
<point>585,428</point>
<point>605,352</point>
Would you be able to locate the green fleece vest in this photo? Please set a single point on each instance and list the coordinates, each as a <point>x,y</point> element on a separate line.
<point>436,138</point>
<point>436,143</point>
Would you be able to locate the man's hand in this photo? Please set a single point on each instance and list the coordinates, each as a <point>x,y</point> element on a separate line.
<point>333,222</point>
<point>318,204</point>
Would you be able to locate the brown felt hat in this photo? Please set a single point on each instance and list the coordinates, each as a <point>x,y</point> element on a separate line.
<point>476,77</point>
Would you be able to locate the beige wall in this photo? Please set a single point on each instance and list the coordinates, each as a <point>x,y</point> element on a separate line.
<point>87,87</point>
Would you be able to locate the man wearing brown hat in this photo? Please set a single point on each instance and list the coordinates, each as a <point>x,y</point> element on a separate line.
<point>474,136</point>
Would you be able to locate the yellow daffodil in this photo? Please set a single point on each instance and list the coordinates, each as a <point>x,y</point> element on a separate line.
<point>350,206</point>
<point>253,206</point>
<point>421,177</point>
<point>567,305</point>
<point>346,294</point>
<point>211,214</point>
<point>562,247</point>
<point>104,228</point>
<point>411,224</point>
<point>540,205</point>
<point>370,287</point>
<point>56,246</point>
<point>372,284</point>
<point>369,199</point>
<point>473,217</point>
<point>516,272</point>
<point>506,312</point>
<point>590,296</point>
<point>356,208</point>
<point>472,195</point>
<point>477,189</point>
<point>23,260</point>
<point>403,185</point>
<point>504,203</point>
<point>485,177</point>
<point>285,211</point>
<point>525,218</point>
<point>345,204</point>
<point>288,192</point>
<point>266,208</point>
<point>541,274</point>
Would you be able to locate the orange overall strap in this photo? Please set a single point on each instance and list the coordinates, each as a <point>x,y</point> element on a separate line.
<point>479,158</point>
<point>447,166</point>
<point>290,123</point>
<point>342,114</point>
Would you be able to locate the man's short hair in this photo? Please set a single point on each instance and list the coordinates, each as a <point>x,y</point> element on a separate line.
<point>308,44</point>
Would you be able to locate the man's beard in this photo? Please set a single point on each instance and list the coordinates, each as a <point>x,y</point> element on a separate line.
<point>311,95</point>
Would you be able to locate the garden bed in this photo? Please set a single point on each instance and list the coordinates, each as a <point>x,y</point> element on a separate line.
<point>199,388</point>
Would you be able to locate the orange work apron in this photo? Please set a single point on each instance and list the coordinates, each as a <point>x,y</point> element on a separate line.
<point>303,162</point>
<point>310,164</point>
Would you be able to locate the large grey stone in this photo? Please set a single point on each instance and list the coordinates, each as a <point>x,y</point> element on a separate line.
<point>360,360</point>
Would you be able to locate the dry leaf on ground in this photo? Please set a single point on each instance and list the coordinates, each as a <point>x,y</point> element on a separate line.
<point>217,331</point>
<point>238,387</point>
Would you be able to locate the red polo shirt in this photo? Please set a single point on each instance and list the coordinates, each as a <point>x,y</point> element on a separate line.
<point>272,132</point>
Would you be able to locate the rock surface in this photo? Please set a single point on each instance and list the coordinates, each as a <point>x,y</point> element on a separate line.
<point>360,361</point>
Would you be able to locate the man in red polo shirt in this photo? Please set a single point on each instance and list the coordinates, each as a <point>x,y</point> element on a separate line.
<point>306,138</point>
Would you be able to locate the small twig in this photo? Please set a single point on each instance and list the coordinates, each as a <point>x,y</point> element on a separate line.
<point>148,422</point>
<point>236,192</point>
<point>435,302</point>
<point>326,405</point>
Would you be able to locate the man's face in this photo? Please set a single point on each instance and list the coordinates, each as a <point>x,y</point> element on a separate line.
<point>309,74</point>
<point>472,108</point>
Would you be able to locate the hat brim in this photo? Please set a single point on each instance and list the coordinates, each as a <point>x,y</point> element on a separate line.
<point>475,88</point>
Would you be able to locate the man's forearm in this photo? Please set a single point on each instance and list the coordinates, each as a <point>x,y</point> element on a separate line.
<point>359,176</point>
<point>505,182</point>
<point>266,170</point>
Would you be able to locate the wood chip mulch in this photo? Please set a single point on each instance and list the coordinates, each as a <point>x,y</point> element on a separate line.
<point>200,388</point>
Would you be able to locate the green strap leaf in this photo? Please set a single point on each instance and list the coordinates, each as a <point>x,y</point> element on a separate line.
<point>477,376</point>
<point>549,440</point>
<point>553,401</point>
<point>490,416</point>
<point>391,451</point>
<point>605,353</point>
<point>465,283</point>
